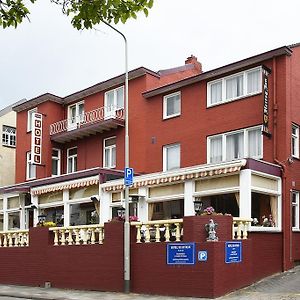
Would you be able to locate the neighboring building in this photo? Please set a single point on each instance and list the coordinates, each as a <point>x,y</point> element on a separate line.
<point>7,146</point>
<point>229,136</point>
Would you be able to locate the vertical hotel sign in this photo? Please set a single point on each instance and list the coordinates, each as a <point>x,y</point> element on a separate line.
<point>265,128</point>
<point>36,139</point>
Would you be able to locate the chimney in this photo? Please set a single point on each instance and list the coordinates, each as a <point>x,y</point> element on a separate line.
<point>193,60</point>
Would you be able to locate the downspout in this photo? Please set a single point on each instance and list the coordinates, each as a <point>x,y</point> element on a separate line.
<point>275,153</point>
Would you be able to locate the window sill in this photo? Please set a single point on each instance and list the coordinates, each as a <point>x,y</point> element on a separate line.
<point>232,100</point>
<point>264,229</point>
<point>171,117</point>
<point>9,146</point>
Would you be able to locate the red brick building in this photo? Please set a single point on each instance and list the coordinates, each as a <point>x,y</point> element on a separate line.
<point>229,136</point>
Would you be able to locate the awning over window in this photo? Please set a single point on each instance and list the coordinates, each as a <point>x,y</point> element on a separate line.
<point>65,186</point>
<point>180,175</point>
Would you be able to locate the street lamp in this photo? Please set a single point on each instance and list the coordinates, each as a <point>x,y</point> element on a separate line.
<point>126,223</point>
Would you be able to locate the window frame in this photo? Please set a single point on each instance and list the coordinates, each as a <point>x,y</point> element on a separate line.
<point>295,204</point>
<point>223,80</point>
<point>224,136</point>
<point>30,167</point>
<point>72,124</point>
<point>29,118</point>
<point>73,157</point>
<point>110,149</point>
<point>295,137</point>
<point>165,105</point>
<point>110,111</point>
<point>9,136</point>
<point>165,156</point>
<point>58,159</point>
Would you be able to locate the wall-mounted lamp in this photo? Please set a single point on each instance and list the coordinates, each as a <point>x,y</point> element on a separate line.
<point>198,204</point>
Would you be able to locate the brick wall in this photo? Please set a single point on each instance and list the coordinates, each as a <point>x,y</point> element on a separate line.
<point>100,267</point>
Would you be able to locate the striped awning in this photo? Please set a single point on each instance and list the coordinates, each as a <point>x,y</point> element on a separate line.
<point>65,186</point>
<point>165,179</point>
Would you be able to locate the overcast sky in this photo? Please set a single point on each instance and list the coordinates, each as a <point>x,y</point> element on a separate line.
<point>49,55</point>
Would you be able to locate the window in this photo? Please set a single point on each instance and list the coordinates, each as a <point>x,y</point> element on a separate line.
<point>56,154</point>
<point>295,141</point>
<point>171,157</point>
<point>264,210</point>
<point>171,105</point>
<point>234,87</point>
<point>113,101</point>
<point>29,118</point>
<point>72,160</point>
<point>235,145</point>
<point>8,136</point>
<point>295,210</point>
<point>165,210</point>
<point>75,115</point>
<point>109,152</point>
<point>30,167</point>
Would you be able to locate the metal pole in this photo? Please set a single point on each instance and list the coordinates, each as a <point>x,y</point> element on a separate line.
<point>126,223</point>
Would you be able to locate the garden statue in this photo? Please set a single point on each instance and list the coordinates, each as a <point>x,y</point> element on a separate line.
<point>211,228</point>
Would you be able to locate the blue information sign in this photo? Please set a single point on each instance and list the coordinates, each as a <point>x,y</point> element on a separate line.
<point>233,252</point>
<point>181,254</point>
<point>128,176</point>
<point>202,255</point>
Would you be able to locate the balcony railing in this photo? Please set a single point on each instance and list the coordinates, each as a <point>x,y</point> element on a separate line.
<point>91,117</point>
<point>18,238</point>
<point>78,235</point>
<point>159,231</point>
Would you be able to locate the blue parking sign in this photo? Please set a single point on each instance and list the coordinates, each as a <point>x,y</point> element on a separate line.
<point>202,255</point>
<point>128,176</point>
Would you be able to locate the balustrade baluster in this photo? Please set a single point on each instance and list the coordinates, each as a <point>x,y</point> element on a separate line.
<point>56,237</point>
<point>1,240</point>
<point>77,239</point>
<point>5,240</point>
<point>62,237</point>
<point>233,229</point>
<point>147,235</point>
<point>138,234</point>
<point>10,240</point>
<point>93,237</point>
<point>70,237</point>
<point>100,236</point>
<point>178,236</point>
<point>167,232</point>
<point>157,233</point>
<point>239,230</point>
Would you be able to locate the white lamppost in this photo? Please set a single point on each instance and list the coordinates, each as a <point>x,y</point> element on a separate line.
<point>126,223</point>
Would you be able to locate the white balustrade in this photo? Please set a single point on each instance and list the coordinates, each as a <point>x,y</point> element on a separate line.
<point>240,228</point>
<point>158,231</point>
<point>78,235</point>
<point>18,238</point>
<point>88,118</point>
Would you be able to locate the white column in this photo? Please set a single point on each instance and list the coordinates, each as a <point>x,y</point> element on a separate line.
<point>35,201</point>
<point>66,208</point>
<point>245,193</point>
<point>105,214</point>
<point>5,215</point>
<point>22,211</point>
<point>143,205</point>
<point>189,189</point>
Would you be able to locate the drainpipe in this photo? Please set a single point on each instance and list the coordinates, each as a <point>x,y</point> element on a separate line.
<point>282,165</point>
